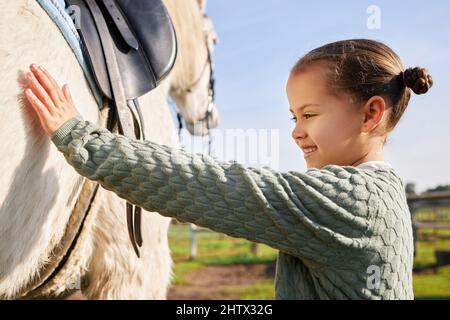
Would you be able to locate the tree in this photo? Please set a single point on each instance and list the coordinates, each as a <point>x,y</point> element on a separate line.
<point>439,188</point>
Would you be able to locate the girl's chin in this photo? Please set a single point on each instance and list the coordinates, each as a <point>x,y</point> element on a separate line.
<point>314,164</point>
<point>311,165</point>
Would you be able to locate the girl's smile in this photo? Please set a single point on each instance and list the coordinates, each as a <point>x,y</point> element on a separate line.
<point>308,151</point>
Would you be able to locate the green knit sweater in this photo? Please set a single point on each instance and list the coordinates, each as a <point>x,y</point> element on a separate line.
<point>342,232</point>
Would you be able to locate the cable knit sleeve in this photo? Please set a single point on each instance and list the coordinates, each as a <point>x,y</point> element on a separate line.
<point>311,215</point>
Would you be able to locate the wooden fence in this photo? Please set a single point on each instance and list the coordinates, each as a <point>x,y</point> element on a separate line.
<point>429,211</point>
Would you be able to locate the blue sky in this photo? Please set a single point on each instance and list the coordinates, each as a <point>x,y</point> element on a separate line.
<point>261,39</point>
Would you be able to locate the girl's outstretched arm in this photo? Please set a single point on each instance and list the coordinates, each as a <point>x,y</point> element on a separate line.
<point>303,214</point>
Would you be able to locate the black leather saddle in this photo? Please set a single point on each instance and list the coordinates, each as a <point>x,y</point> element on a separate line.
<point>144,42</point>
<point>131,46</point>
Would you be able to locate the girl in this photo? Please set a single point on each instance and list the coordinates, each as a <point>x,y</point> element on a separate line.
<point>342,228</point>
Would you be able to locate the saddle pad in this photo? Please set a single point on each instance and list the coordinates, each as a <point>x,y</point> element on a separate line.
<point>57,11</point>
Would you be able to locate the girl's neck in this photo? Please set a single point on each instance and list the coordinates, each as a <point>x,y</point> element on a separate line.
<point>377,155</point>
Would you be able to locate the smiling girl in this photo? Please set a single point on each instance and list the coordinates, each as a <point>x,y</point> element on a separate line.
<point>342,228</point>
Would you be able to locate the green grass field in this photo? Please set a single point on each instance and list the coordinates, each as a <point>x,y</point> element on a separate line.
<point>432,285</point>
<point>213,249</point>
<point>221,250</point>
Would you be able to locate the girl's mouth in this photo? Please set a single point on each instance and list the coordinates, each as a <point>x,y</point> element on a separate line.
<point>309,151</point>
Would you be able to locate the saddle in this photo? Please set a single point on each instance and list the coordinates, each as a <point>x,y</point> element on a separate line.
<point>131,46</point>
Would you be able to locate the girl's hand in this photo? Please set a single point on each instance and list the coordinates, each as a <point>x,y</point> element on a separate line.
<point>52,105</point>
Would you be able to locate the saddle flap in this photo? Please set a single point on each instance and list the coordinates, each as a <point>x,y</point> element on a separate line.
<point>144,39</point>
<point>153,27</point>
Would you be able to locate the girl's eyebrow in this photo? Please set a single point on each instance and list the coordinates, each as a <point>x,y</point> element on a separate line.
<point>304,106</point>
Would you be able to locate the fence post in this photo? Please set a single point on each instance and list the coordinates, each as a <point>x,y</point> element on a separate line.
<point>254,249</point>
<point>414,228</point>
<point>193,242</point>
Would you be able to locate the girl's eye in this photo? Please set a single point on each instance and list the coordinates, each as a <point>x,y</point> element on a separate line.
<point>305,115</point>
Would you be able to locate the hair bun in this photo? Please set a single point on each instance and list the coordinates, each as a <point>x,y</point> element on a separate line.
<point>417,79</point>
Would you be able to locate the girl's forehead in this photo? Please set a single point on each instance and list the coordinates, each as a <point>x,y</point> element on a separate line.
<point>308,91</point>
<point>306,86</point>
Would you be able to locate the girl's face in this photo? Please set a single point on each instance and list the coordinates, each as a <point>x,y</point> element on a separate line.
<point>331,125</point>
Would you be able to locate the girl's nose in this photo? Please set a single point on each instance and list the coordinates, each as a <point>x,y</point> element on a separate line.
<point>298,132</point>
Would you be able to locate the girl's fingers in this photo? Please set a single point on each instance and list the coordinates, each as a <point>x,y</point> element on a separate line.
<point>48,83</point>
<point>67,94</point>
<point>40,92</point>
<point>53,81</point>
<point>37,105</point>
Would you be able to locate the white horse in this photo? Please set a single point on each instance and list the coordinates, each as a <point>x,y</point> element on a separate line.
<point>40,192</point>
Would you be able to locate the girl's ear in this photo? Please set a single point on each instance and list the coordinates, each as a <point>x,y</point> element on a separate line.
<point>374,110</point>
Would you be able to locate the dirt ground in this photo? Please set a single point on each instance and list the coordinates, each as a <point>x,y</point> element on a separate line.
<point>209,283</point>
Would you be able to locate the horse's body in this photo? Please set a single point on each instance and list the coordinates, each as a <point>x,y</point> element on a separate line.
<point>39,189</point>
